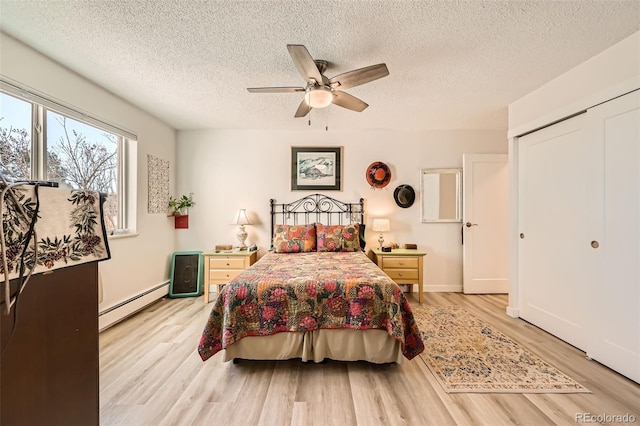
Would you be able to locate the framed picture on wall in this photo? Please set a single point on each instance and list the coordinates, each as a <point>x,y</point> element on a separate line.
<point>315,168</point>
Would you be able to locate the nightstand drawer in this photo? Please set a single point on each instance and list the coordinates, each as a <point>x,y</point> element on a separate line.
<point>400,262</point>
<point>404,266</point>
<point>223,274</point>
<point>402,274</point>
<point>223,267</point>
<point>226,262</point>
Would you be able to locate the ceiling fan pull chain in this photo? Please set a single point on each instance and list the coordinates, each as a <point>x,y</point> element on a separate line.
<point>326,124</point>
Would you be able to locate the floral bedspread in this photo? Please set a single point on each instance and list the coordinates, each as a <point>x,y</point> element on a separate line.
<point>285,292</point>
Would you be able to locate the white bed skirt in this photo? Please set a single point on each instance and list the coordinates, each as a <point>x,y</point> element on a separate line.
<point>374,346</point>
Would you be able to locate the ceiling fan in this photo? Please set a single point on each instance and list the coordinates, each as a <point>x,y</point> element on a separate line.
<point>321,91</point>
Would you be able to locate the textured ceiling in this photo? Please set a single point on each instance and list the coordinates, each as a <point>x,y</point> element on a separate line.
<point>453,65</point>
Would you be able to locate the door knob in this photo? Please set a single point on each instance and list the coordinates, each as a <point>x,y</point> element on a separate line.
<point>469,224</point>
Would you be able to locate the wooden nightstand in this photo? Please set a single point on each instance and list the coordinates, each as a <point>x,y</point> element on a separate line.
<point>402,265</point>
<point>220,268</point>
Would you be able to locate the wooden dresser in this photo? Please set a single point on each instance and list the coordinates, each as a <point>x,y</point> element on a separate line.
<point>49,370</point>
<point>402,265</point>
<point>221,267</point>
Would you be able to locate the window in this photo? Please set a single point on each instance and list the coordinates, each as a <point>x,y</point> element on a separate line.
<point>41,142</point>
<point>15,137</point>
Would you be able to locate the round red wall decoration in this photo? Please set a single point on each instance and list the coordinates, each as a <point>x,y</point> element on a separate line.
<point>378,175</point>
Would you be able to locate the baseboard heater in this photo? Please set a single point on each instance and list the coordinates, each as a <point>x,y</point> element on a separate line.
<point>126,308</point>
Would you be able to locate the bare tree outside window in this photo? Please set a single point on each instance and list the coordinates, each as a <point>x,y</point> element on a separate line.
<point>77,154</point>
<point>84,158</point>
<point>15,137</point>
<point>15,152</point>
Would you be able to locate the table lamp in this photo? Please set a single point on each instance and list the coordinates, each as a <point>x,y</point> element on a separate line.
<point>241,220</point>
<point>381,224</point>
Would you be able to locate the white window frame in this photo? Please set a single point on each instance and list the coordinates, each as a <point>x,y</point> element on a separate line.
<point>127,149</point>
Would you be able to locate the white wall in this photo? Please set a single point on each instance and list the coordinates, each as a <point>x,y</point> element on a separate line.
<point>607,75</point>
<point>141,262</point>
<point>611,73</point>
<point>231,169</point>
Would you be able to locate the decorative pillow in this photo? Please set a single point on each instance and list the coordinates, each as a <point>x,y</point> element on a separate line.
<point>338,237</point>
<point>294,238</point>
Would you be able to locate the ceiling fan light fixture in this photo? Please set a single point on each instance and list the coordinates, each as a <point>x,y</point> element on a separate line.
<point>318,97</point>
<point>320,91</point>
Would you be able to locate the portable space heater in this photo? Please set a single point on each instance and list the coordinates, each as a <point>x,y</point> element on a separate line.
<point>186,274</point>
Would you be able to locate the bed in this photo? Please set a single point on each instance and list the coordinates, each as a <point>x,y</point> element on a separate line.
<point>314,296</point>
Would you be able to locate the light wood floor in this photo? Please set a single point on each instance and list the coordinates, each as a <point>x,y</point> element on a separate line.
<point>150,374</point>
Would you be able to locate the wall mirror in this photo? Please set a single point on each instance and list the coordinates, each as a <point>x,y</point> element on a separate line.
<point>441,195</point>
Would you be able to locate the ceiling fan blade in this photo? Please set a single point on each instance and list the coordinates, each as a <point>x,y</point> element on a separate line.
<point>303,109</point>
<point>359,76</point>
<point>304,62</point>
<point>348,101</point>
<point>275,89</point>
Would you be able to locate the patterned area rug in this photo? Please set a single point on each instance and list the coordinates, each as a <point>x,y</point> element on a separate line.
<point>467,354</point>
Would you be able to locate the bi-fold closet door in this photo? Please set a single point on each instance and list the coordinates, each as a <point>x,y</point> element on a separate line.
<point>579,226</point>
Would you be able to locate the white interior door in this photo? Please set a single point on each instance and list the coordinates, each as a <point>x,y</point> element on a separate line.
<point>615,329</point>
<point>559,180</point>
<point>485,223</point>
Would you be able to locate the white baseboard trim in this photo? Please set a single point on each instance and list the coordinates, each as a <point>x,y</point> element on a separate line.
<point>411,288</point>
<point>513,312</point>
<point>444,288</point>
<point>123,310</point>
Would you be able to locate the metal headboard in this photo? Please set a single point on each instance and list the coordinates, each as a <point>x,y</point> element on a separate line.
<point>316,208</point>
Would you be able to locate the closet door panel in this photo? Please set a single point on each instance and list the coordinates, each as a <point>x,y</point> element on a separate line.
<point>556,262</point>
<point>615,125</point>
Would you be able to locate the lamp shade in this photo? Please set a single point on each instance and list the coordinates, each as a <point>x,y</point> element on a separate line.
<point>318,97</point>
<point>381,224</point>
<point>241,218</point>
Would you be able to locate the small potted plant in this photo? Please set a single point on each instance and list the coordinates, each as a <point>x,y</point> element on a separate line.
<point>180,208</point>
